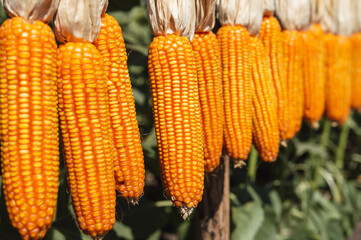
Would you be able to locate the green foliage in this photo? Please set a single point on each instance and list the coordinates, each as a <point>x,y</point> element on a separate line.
<point>301,196</point>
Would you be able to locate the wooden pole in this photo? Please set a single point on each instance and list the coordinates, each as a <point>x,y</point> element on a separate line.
<point>213,213</point>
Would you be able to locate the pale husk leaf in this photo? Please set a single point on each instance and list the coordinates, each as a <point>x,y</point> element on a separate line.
<point>293,14</point>
<point>205,15</point>
<point>255,16</point>
<point>344,17</point>
<point>268,7</point>
<point>172,16</point>
<point>327,16</point>
<point>233,12</point>
<point>31,10</point>
<point>78,20</point>
<point>357,15</point>
<point>317,9</point>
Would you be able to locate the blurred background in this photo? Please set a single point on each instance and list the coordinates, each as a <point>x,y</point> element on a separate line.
<point>312,191</point>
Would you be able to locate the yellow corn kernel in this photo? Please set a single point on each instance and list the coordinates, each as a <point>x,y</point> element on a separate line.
<point>205,47</point>
<point>176,111</point>
<point>237,93</point>
<point>129,165</point>
<point>265,123</point>
<point>292,45</point>
<point>29,125</point>
<point>87,140</point>
<point>270,34</point>
<point>338,77</point>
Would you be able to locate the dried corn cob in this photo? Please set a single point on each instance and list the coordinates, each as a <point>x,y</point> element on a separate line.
<point>205,47</point>
<point>314,74</point>
<point>85,125</point>
<point>129,168</point>
<point>264,101</point>
<point>271,36</point>
<point>173,79</point>
<point>29,125</point>
<point>356,71</point>
<point>338,77</point>
<point>237,93</point>
<point>293,63</point>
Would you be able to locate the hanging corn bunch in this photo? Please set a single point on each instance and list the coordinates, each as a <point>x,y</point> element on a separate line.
<point>337,24</point>
<point>129,165</point>
<point>356,58</point>
<point>29,118</point>
<point>235,49</point>
<point>294,17</point>
<point>271,36</point>
<point>314,72</point>
<point>266,136</point>
<point>84,116</point>
<point>206,52</point>
<point>176,110</point>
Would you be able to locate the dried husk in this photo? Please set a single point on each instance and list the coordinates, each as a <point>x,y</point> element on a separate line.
<point>357,15</point>
<point>255,16</point>
<point>268,7</point>
<point>205,15</point>
<point>317,9</point>
<point>172,16</point>
<point>327,16</point>
<point>31,10</point>
<point>344,17</point>
<point>233,12</point>
<point>78,20</point>
<point>293,14</point>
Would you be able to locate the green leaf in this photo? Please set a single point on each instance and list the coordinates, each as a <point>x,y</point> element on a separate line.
<point>122,230</point>
<point>267,230</point>
<point>276,203</point>
<point>247,220</point>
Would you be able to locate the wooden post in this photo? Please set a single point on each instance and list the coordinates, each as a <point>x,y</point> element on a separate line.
<point>213,213</point>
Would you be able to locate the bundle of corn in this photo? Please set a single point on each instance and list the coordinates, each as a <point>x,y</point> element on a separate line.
<point>84,116</point>
<point>234,44</point>
<point>314,72</point>
<point>129,165</point>
<point>266,134</point>
<point>294,17</point>
<point>356,59</point>
<point>176,110</point>
<point>206,52</point>
<point>270,34</point>
<point>338,59</point>
<point>28,116</point>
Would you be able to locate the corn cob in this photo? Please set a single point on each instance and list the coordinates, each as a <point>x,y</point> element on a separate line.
<point>356,71</point>
<point>29,125</point>
<point>237,93</point>
<point>85,125</point>
<point>129,167</point>
<point>338,77</point>
<point>265,123</point>
<point>293,62</point>
<point>173,79</point>
<point>205,47</point>
<point>270,34</point>
<point>314,74</point>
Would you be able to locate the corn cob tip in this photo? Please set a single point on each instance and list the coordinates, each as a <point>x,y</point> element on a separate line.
<point>185,212</point>
<point>238,163</point>
<point>133,201</point>
<point>98,238</point>
<point>314,125</point>
<point>284,143</point>
<point>334,124</point>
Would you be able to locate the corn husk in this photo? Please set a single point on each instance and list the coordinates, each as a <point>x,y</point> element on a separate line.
<point>344,17</point>
<point>268,7</point>
<point>78,20</point>
<point>357,15</point>
<point>31,10</point>
<point>172,16</point>
<point>317,9</point>
<point>233,12</point>
<point>293,14</point>
<point>205,15</point>
<point>255,16</point>
<point>327,16</point>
